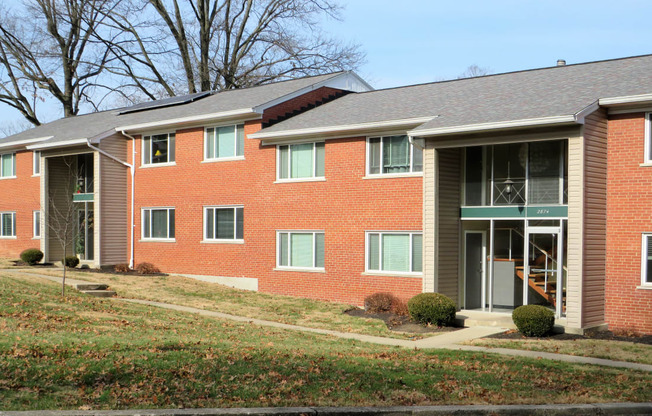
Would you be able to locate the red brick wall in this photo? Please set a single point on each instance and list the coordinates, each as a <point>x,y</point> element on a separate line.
<point>629,198</point>
<point>20,195</point>
<point>344,206</point>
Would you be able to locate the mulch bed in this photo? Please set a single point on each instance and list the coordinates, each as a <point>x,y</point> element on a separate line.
<point>602,335</point>
<point>399,323</point>
<point>20,263</point>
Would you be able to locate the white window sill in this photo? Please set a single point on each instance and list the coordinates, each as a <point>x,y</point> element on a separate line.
<point>157,240</point>
<point>157,165</point>
<point>646,164</point>
<point>294,180</point>
<point>36,175</point>
<point>393,274</point>
<point>645,287</point>
<point>36,238</point>
<point>300,269</point>
<point>8,238</point>
<point>394,175</point>
<point>223,159</point>
<point>8,177</point>
<point>223,241</point>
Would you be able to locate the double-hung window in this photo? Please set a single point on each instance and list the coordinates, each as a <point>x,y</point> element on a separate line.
<point>158,149</point>
<point>36,169</point>
<point>7,224</point>
<point>300,249</point>
<point>301,161</point>
<point>223,223</point>
<point>648,138</point>
<point>646,261</point>
<point>393,155</point>
<point>158,224</point>
<point>8,165</point>
<point>37,224</point>
<point>395,252</point>
<point>224,142</point>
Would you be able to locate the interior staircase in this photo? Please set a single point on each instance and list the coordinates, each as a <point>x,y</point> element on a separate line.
<point>537,282</point>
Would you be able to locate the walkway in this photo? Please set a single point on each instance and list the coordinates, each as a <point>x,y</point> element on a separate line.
<point>449,340</point>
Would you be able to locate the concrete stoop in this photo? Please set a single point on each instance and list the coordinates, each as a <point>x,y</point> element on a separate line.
<point>478,318</point>
<point>98,290</point>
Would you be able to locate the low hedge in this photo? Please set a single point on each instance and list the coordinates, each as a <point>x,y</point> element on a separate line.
<point>70,261</point>
<point>533,320</point>
<point>432,308</point>
<point>31,256</point>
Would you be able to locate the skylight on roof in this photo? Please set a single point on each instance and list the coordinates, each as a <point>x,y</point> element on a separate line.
<point>166,102</point>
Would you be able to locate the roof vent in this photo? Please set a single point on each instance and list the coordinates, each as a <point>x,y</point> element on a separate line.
<point>561,62</point>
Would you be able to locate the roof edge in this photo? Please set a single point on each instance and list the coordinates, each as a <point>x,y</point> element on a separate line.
<point>626,99</point>
<point>20,143</point>
<point>359,127</point>
<point>53,145</point>
<point>501,125</point>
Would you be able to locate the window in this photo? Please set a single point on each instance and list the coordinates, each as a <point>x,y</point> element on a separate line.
<point>223,223</point>
<point>224,142</point>
<point>158,223</point>
<point>8,165</point>
<point>37,224</point>
<point>7,224</point>
<point>301,249</point>
<point>37,163</point>
<point>394,252</point>
<point>648,138</point>
<point>393,154</point>
<point>305,160</point>
<point>646,261</point>
<point>158,148</point>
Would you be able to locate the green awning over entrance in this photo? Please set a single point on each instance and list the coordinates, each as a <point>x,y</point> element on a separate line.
<point>555,211</point>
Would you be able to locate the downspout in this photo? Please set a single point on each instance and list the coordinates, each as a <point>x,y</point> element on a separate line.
<point>415,143</point>
<point>131,169</point>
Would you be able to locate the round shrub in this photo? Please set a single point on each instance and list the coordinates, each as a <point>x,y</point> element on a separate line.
<point>31,256</point>
<point>533,320</point>
<point>432,308</point>
<point>71,261</point>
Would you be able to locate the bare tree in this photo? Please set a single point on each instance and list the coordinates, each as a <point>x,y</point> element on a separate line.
<point>226,44</point>
<point>9,128</point>
<point>51,48</point>
<point>473,71</point>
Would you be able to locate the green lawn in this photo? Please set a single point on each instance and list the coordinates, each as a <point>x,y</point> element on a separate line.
<point>88,353</point>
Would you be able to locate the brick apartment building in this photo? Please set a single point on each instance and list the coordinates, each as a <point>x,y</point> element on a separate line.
<point>502,190</point>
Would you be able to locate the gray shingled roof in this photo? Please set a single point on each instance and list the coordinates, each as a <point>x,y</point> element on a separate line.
<point>547,92</point>
<point>94,124</point>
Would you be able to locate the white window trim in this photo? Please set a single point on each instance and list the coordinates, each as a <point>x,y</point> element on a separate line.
<point>369,175</point>
<point>142,225</point>
<point>380,258</point>
<point>36,226</point>
<point>14,167</point>
<point>294,268</point>
<point>206,159</point>
<point>647,159</point>
<point>144,164</point>
<point>13,223</point>
<point>314,177</point>
<point>645,240</point>
<point>36,160</point>
<point>235,222</point>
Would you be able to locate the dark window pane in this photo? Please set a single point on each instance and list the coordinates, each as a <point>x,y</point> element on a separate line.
<point>225,226</point>
<point>239,227</point>
<point>210,223</point>
<point>172,224</point>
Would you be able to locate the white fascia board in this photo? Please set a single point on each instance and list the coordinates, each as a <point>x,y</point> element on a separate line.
<point>503,125</point>
<point>242,112</point>
<point>348,81</point>
<point>53,145</point>
<point>589,109</point>
<point>20,143</point>
<point>347,128</point>
<point>101,136</point>
<point>627,99</point>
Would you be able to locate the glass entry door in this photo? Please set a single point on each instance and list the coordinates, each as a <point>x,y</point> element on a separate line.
<point>544,268</point>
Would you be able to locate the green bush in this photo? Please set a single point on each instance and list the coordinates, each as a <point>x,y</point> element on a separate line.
<point>31,256</point>
<point>432,308</point>
<point>70,261</point>
<point>533,320</point>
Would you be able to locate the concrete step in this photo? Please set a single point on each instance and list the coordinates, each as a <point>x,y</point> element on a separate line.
<point>90,286</point>
<point>99,293</point>
<point>478,318</point>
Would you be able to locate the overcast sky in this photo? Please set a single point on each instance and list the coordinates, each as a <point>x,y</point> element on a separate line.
<point>416,41</point>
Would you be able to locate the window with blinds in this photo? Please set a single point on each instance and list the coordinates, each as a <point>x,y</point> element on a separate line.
<point>223,223</point>
<point>8,165</point>
<point>224,142</point>
<point>646,261</point>
<point>158,224</point>
<point>301,249</point>
<point>393,154</point>
<point>399,252</point>
<point>7,224</point>
<point>297,161</point>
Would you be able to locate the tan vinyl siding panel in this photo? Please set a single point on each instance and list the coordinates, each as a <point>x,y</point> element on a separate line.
<point>448,231</point>
<point>59,195</point>
<point>429,175</point>
<point>595,219</point>
<point>575,231</point>
<point>114,239</point>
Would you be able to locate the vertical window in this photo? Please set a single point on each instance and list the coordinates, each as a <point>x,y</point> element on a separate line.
<point>158,224</point>
<point>8,165</point>
<point>159,148</point>
<point>301,249</point>
<point>394,252</point>
<point>223,223</point>
<point>646,261</point>
<point>224,142</point>
<point>648,138</point>
<point>37,224</point>
<point>305,160</point>
<point>393,154</point>
<point>37,163</point>
<point>7,224</point>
